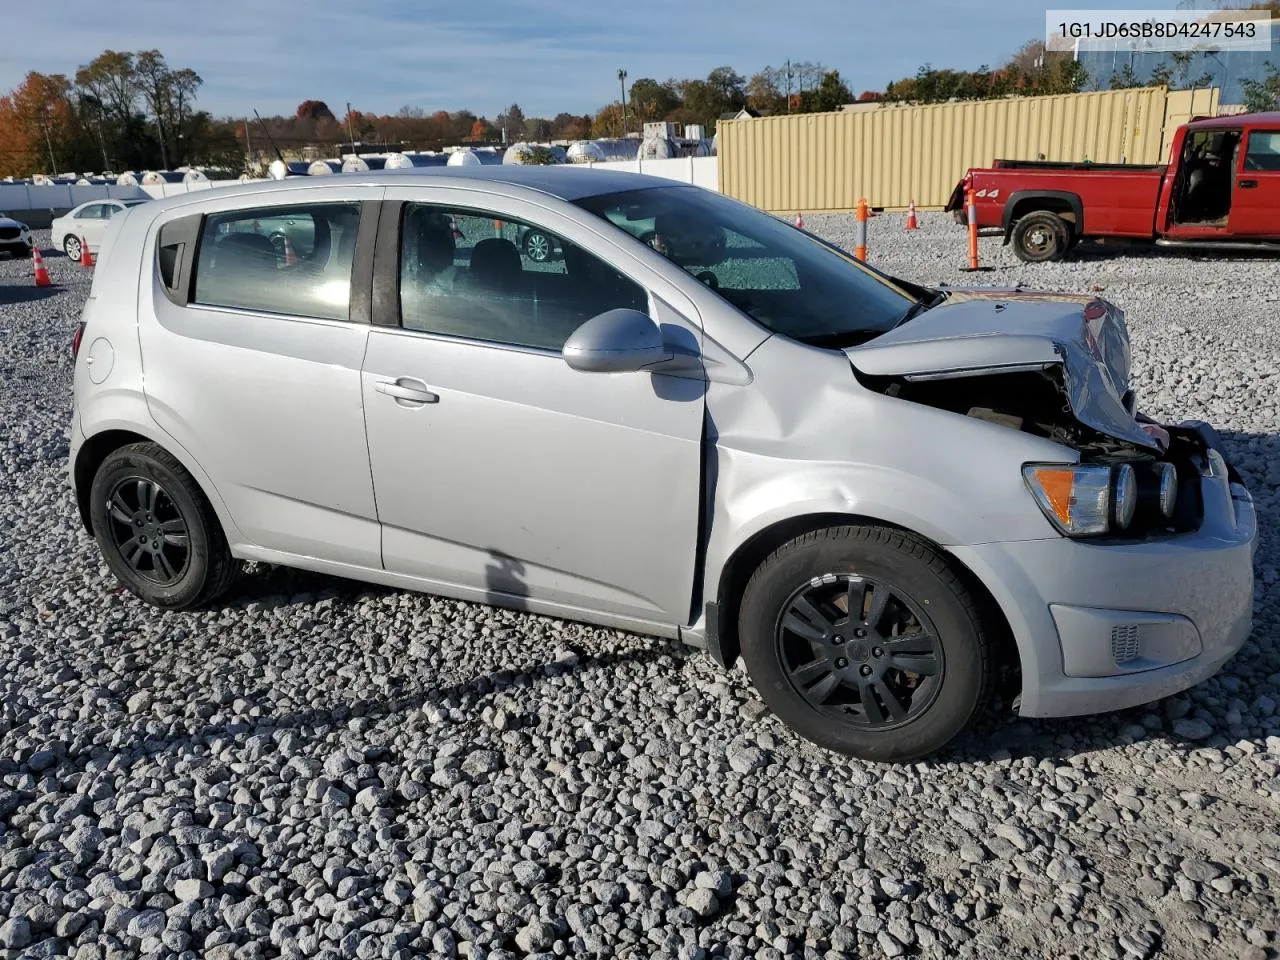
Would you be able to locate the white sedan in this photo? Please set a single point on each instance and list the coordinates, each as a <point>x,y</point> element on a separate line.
<point>86,224</point>
<point>15,237</point>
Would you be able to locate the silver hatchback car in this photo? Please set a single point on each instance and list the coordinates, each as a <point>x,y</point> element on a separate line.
<point>713,427</point>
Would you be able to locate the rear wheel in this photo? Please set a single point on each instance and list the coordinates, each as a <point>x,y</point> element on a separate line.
<point>1041,236</point>
<point>71,247</point>
<point>537,246</point>
<point>157,530</point>
<point>866,641</point>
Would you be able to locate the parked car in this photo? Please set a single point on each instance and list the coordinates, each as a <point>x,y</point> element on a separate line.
<point>877,493</point>
<point>86,223</point>
<point>682,241</point>
<point>15,237</point>
<point>1221,190</point>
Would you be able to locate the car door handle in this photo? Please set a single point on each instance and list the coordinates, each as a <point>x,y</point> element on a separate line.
<point>1248,184</point>
<point>407,388</point>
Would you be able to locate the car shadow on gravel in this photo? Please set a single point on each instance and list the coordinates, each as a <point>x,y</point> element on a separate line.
<point>14,295</point>
<point>472,691</point>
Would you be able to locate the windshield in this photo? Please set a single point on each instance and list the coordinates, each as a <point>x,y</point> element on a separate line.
<point>783,279</point>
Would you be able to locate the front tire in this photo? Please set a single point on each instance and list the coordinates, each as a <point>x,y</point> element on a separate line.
<point>866,641</point>
<point>1041,237</point>
<point>157,530</point>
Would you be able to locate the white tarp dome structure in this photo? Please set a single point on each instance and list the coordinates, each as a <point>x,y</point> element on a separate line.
<point>619,148</point>
<point>194,176</point>
<point>463,158</point>
<point>322,168</point>
<point>352,163</point>
<point>585,151</point>
<point>278,170</point>
<point>403,161</point>
<point>83,182</point>
<point>517,153</point>
<point>40,180</point>
<point>658,148</point>
<point>127,179</point>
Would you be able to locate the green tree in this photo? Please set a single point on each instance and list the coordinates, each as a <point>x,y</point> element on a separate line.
<point>765,93</point>
<point>651,100</point>
<point>831,94</point>
<point>511,121</point>
<point>1263,95</point>
<point>728,85</point>
<point>1125,78</point>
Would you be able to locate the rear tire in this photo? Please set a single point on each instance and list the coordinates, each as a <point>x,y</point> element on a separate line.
<point>893,676</point>
<point>1041,237</point>
<point>157,530</point>
<point>71,247</point>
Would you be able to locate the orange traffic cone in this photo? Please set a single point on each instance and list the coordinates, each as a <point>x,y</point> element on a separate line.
<point>290,255</point>
<point>42,272</point>
<point>799,221</point>
<point>911,217</point>
<point>86,258</point>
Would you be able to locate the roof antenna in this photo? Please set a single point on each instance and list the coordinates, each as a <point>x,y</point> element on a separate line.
<point>269,137</point>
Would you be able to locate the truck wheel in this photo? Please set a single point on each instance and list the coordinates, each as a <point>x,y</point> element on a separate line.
<point>1041,236</point>
<point>865,641</point>
<point>157,530</point>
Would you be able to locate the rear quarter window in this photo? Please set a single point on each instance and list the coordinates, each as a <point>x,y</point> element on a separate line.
<point>294,260</point>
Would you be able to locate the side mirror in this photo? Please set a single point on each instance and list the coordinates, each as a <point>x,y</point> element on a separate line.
<point>616,341</point>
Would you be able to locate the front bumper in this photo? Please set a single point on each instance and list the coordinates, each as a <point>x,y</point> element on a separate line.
<point>1106,626</point>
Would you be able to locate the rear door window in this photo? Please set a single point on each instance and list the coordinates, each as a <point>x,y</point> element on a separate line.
<point>288,260</point>
<point>1264,151</point>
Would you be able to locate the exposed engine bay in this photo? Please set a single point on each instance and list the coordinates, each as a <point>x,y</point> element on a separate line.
<point>1036,402</point>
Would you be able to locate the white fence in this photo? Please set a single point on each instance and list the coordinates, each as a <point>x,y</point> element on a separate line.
<point>699,171</point>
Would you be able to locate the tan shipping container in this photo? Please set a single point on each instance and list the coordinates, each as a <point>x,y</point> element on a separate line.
<point>895,154</point>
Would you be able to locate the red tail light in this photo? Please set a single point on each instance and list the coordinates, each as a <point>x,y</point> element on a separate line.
<point>75,340</point>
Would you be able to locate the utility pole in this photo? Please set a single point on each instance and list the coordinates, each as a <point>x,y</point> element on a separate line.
<point>48,141</point>
<point>248,149</point>
<point>350,129</point>
<point>622,82</point>
<point>788,85</point>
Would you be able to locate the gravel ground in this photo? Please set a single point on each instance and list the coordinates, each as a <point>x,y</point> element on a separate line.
<point>321,769</point>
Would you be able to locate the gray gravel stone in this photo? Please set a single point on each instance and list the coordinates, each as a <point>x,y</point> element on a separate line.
<point>15,933</point>
<point>703,902</point>
<point>1193,729</point>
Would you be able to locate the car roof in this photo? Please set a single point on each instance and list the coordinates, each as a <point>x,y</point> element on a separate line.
<point>1269,119</point>
<point>564,181</point>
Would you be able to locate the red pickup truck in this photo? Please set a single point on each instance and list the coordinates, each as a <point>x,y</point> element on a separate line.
<point>1221,189</point>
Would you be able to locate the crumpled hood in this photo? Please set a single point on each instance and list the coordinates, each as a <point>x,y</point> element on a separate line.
<point>980,331</point>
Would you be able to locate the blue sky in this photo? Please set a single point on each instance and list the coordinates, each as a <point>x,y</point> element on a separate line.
<point>547,55</point>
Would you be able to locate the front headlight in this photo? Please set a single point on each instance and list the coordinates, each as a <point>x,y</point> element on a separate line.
<point>1083,500</point>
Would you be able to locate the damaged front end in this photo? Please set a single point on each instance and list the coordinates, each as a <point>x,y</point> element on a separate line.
<point>1054,366</point>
